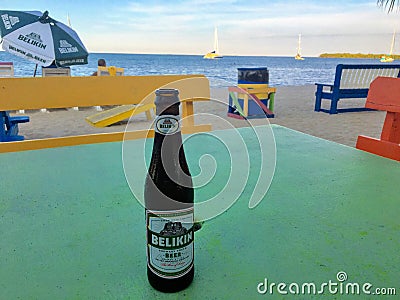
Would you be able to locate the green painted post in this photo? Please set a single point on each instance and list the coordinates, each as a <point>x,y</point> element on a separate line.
<point>271,101</point>
<point>237,104</point>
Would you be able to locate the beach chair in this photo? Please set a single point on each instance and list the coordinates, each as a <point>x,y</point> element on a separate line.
<point>110,71</point>
<point>9,127</point>
<point>384,94</point>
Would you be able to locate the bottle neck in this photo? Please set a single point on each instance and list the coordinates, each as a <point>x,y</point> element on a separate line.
<point>169,176</point>
<point>167,110</point>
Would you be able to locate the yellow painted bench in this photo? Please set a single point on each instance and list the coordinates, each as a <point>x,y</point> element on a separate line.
<point>61,92</point>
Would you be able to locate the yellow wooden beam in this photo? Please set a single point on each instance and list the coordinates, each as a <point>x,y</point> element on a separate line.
<point>61,92</point>
<point>117,114</point>
<point>195,99</point>
<point>262,90</point>
<point>88,139</point>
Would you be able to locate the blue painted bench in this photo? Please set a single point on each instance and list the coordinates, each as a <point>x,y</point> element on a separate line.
<point>9,127</point>
<point>351,81</point>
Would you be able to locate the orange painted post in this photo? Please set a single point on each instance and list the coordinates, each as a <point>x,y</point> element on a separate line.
<point>384,94</point>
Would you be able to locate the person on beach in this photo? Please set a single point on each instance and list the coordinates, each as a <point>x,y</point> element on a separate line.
<point>100,63</point>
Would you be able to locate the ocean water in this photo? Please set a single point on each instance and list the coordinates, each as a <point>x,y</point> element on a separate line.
<point>221,72</point>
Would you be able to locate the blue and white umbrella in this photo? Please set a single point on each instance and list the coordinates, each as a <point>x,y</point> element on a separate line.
<point>37,37</point>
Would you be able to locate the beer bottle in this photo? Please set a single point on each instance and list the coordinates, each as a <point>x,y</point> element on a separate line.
<point>168,199</point>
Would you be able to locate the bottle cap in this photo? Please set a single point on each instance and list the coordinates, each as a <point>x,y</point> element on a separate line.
<point>167,92</point>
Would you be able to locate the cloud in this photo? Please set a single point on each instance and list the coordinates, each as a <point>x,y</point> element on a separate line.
<point>273,26</point>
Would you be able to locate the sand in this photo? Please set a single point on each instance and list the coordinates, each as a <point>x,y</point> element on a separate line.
<point>294,108</point>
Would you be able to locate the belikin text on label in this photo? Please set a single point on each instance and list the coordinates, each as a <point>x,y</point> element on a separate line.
<point>167,124</point>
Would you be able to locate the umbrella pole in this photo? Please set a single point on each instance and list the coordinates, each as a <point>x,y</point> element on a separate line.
<point>34,73</point>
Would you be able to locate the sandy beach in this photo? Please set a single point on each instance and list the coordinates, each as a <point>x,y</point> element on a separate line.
<point>294,108</point>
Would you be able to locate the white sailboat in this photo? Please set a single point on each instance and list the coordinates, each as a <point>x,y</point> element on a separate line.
<point>389,58</point>
<point>215,53</point>
<point>298,55</point>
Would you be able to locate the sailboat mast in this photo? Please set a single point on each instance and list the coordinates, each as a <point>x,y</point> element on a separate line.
<point>216,48</point>
<point>392,45</point>
<point>69,20</point>
<point>299,45</point>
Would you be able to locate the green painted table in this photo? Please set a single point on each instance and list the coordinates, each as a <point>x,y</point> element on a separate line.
<point>71,229</point>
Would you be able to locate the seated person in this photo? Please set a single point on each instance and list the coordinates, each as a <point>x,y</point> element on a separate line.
<point>100,63</point>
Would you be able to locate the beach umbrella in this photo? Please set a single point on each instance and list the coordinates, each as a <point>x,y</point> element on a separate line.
<point>36,37</point>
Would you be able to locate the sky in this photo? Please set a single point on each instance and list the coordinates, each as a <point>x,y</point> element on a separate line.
<point>250,27</point>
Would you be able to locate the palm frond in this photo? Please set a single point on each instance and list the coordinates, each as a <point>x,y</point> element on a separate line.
<point>388,5</point>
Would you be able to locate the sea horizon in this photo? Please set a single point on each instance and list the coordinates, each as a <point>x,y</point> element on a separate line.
<point>283,70</point>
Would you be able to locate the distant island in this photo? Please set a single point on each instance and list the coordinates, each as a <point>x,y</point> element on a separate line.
<point>355,55</point>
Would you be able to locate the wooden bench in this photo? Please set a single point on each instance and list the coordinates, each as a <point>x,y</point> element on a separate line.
<point>351,81</point>
<point>384,94</point>
<point>89,91</point>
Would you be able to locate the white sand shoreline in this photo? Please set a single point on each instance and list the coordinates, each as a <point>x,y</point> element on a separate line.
<point>294,108</point>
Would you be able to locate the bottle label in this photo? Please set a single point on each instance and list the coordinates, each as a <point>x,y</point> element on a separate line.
<point>167,124</point>
<point>170,242</point>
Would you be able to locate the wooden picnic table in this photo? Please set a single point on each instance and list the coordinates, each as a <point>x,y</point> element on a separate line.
<point>71,228</point>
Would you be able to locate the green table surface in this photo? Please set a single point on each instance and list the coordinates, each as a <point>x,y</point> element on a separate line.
<point>70,227</point>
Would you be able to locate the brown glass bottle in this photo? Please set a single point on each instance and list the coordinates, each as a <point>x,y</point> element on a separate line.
<point>169,199</point>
